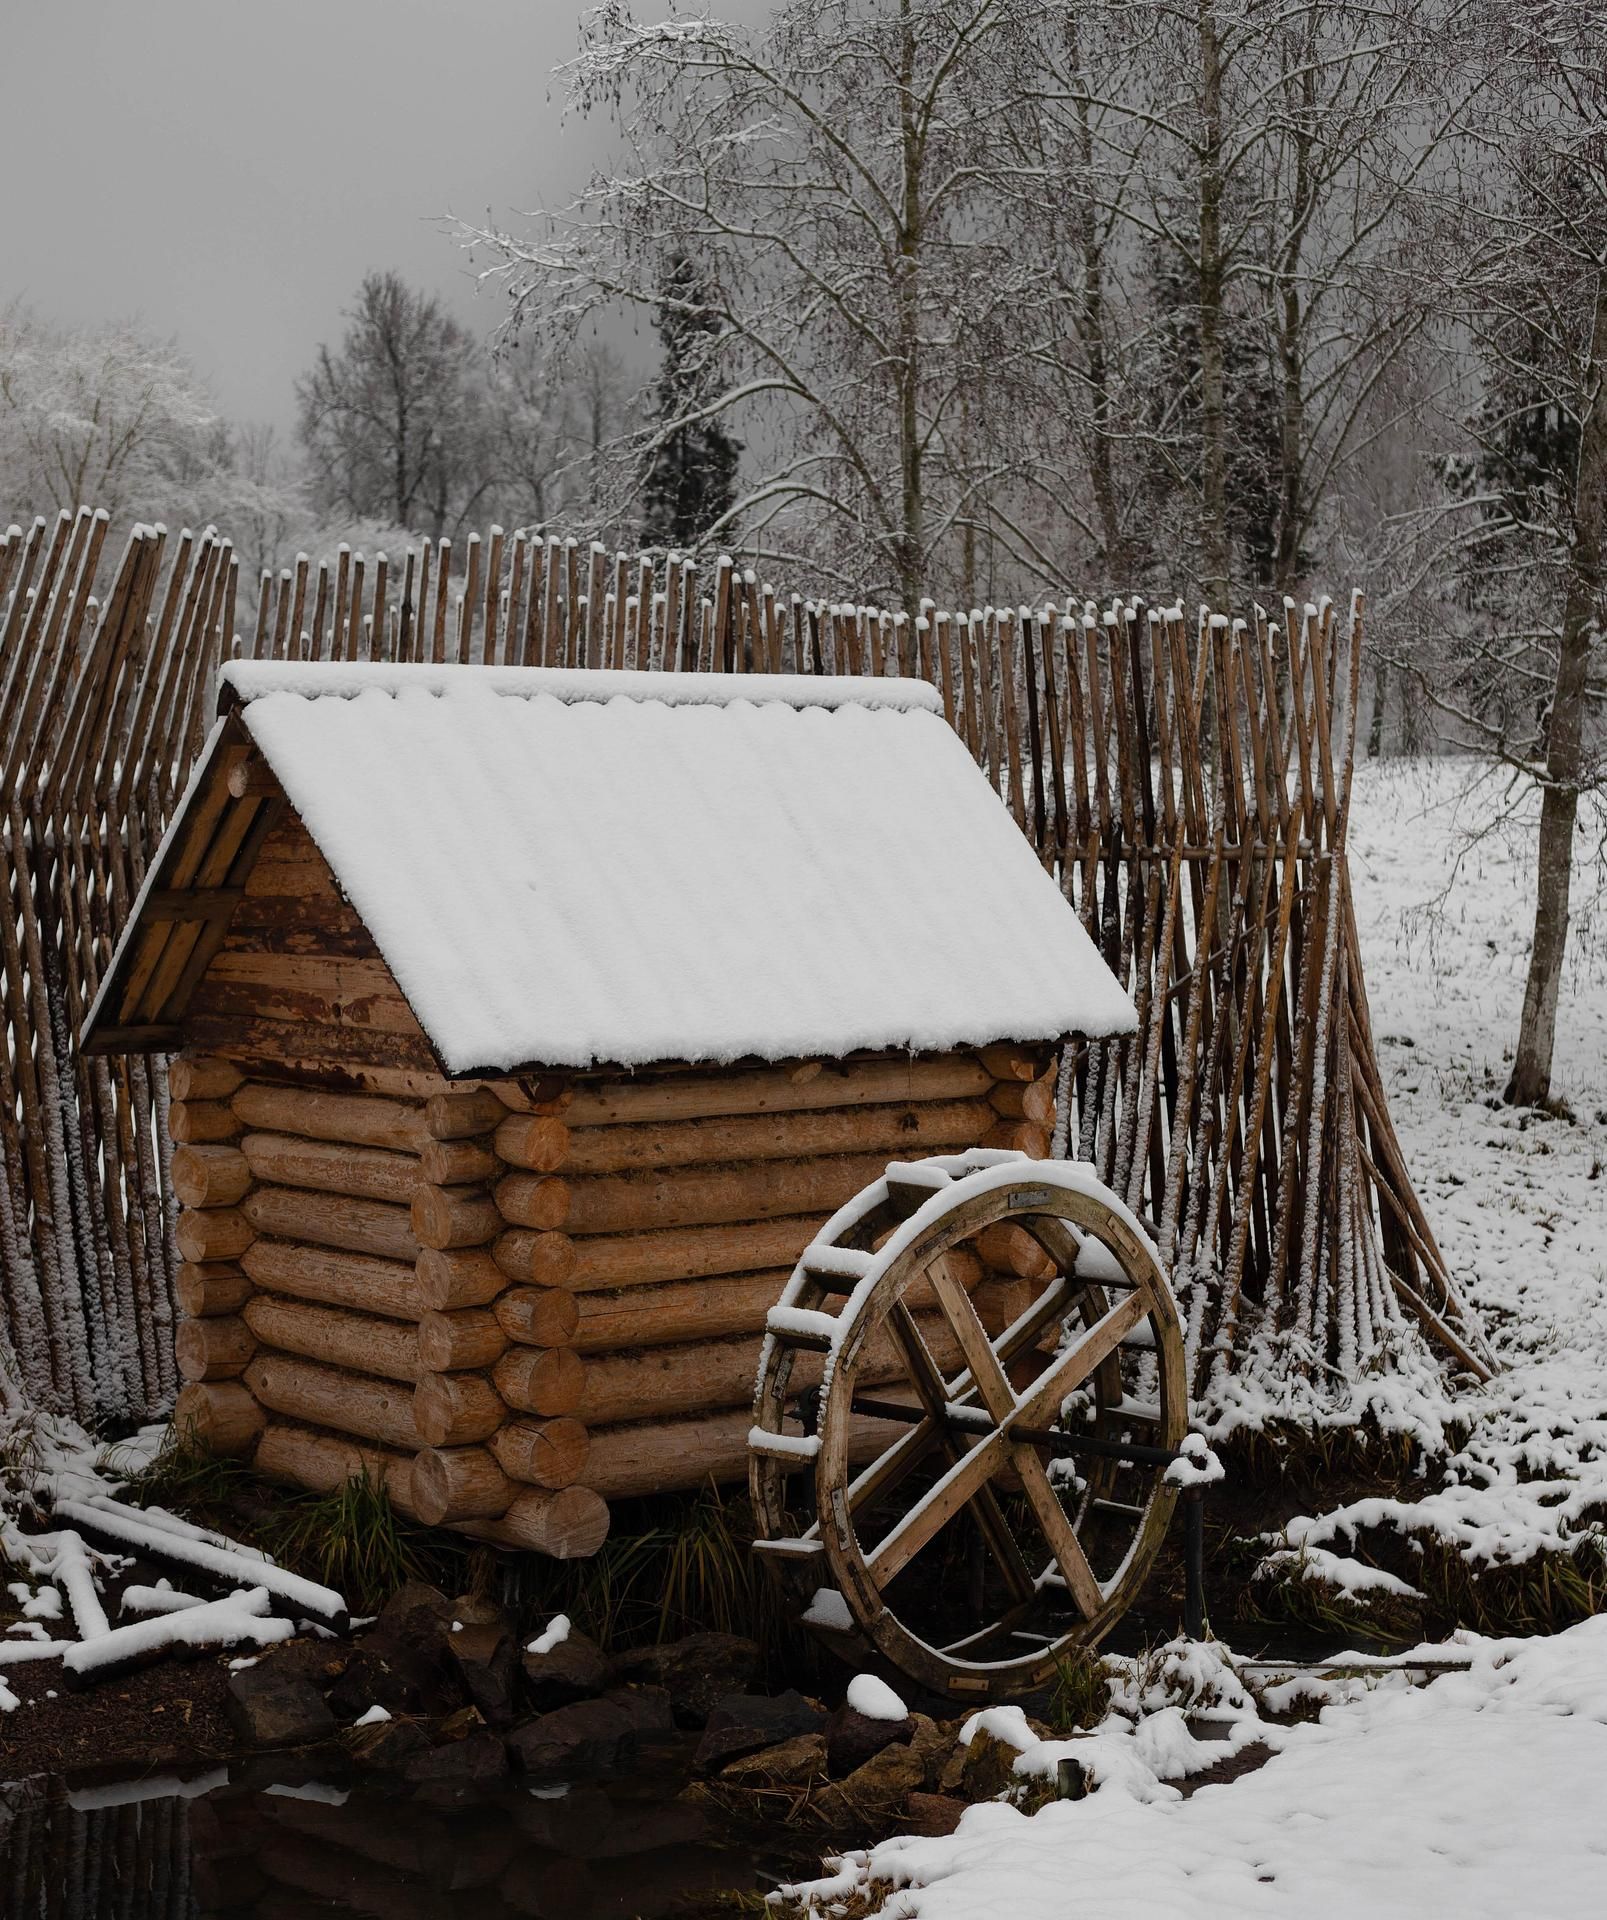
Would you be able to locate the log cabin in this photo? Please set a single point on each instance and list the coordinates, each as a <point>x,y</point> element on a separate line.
<point>525,1024</point>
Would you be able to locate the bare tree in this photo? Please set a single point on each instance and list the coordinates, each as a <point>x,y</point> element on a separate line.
<point>556,424</point>
<point>108,414</point>
<point>393,419</point>
<point>836,181</point>
<point>1240,171</point>
<point>1522,233</point>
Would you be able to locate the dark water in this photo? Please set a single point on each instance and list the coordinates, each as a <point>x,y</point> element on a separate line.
<point>238,1842</point>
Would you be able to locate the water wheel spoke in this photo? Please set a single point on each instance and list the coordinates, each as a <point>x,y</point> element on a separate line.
<point>888,1469</point>
<point>1084,1589</point>
<point>987,1372</point>
<point>937,1507</point>
<point>983,1510</point>
<point>1041,1405</point>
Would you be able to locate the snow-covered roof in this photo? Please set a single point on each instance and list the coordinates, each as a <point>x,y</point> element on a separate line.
<point>572,867</point>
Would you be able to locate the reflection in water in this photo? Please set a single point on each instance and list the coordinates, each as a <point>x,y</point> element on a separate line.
<point>280,1849</point>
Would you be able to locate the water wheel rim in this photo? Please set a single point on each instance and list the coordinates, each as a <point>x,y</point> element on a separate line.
<point>861,1576</point>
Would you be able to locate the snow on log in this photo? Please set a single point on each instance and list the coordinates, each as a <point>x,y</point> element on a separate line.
<point>127,1527</point>
<point>239,1620</point>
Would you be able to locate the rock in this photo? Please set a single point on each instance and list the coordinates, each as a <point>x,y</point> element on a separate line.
<point>853,1738</point>
<point>744,1723</point>
<point>459,1725</point>
<point>695,1672</point>
<point>932,1815</point>
<point>394,1673</point>
<point>798,1762</point>
<point>401,1663</point>
<point>586,1737</point>
<point>575,1669</point>
<point>484,1657</point>
<point>415,1607</point>
<point>384,1746</point>
<point>320,1661</point>
<point>932,1741</point>
<point>470,1610</point>
<point>647,1708</point>
<point>872,1794</point>
<point>988,1768</point>
<point>270,1709</point>
<point>472,1761</point>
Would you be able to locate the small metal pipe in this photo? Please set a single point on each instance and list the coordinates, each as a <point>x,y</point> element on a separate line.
<point>978,1420</point>
<point>1194,1562</point>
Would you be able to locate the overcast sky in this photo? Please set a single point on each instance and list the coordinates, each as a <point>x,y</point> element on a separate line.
<point>229,171</point>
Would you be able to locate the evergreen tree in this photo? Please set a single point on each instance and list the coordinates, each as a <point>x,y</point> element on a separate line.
<point>691,479</point>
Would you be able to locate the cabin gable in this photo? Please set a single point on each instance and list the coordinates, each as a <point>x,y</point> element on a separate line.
<point>298,976</point>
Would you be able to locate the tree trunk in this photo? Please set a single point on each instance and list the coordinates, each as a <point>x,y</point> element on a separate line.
<point>1530,1084</point>
<point>912,527</point>
<point>1291,490</point>
<point>1090,244</point>
<point>1214,559</point>
<point>1375,727</point>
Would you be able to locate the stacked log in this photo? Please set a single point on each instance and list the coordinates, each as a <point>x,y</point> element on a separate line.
<point>514,1300</point>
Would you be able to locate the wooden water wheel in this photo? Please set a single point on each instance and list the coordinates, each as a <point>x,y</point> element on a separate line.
<point>983,1503</point>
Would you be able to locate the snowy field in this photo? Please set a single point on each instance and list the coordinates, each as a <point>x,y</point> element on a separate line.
<point>1518,1200</point>
<point>1484,1791</point>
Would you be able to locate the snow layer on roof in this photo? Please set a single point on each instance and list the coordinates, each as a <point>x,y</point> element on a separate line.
<point>688,869</point>
<point>345,679</point>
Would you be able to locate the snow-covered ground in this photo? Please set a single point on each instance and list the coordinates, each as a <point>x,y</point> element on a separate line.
<point>1484,1793</point>
<point>1518,1200</point>
<point>1486,1790</point>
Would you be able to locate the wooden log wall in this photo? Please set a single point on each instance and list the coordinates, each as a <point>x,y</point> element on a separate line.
<point>345,1312</point>
<point>1185,782</point>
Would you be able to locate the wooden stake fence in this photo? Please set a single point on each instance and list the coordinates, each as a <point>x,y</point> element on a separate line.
<point>1188,785</point>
